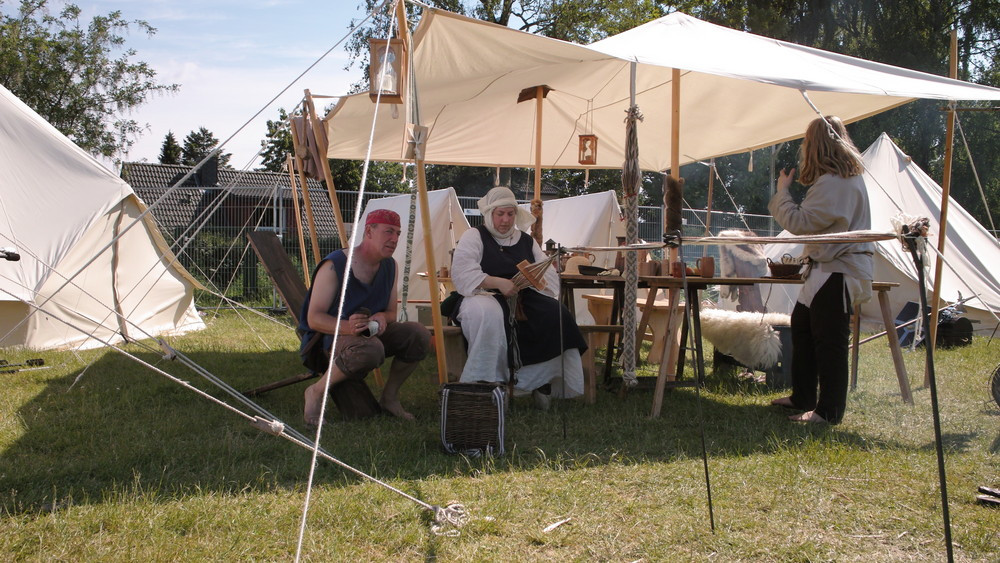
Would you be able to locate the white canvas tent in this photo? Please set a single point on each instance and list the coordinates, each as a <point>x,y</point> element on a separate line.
<point>738,91</point>
<point>58,208</point>
<point>895,184</point>
<point>585,220</point>
<point>447,223</point>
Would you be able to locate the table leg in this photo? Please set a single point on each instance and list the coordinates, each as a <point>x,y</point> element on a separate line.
<point>897,354</point>
<point>670,352</point>
<point>855,338</point>
<point>640,333</point>
<point>693,302</point>
<point>609,356</point>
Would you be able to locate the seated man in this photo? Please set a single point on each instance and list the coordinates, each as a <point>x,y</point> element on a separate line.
<point>485,260</point>
<point>370,298</point>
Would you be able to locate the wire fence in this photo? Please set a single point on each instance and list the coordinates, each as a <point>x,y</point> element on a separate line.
<point>219,255</point>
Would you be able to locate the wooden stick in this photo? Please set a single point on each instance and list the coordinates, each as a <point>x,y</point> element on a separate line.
<point>323,144</point>
<point>305,193</point>
<point>943,223</point>
<point>298,220</point>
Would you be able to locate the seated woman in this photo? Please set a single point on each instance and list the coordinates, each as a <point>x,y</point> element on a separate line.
<point>485,260</point>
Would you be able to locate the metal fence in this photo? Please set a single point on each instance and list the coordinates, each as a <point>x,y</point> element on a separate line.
<point>220,257</point>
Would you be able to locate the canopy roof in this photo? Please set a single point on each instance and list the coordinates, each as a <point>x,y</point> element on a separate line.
<point>738,92</point>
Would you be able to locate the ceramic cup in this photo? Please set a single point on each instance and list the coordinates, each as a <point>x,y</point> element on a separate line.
<point>706,266</point>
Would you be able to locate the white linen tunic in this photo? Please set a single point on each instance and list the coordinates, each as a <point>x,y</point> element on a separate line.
<point>483,326</point>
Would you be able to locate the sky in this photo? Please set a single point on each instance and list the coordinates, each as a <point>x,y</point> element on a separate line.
<point>230,58</point>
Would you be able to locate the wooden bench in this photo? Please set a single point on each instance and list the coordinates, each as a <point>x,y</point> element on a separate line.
<point>454,349</point>
<point>600,308</point>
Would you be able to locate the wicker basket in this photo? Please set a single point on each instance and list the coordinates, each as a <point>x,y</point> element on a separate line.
<point>472,418</point>
<point>784,271</point>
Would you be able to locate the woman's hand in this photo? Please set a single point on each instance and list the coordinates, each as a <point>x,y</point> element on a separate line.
<point>785,177</point>
<point>504,286</point>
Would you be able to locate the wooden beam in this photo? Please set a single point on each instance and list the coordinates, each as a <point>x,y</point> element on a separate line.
<point>313,239</point>
<point>290,163</point>
<point>943,222</point>
<point>323,144</point>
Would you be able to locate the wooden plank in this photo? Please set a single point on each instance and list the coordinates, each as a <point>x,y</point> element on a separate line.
<point>275,260</point>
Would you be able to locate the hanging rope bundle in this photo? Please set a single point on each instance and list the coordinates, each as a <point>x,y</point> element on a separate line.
<point>631,179</point>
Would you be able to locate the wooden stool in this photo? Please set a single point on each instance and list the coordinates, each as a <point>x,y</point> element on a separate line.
<point>454,349</point>
<point>600,308</point>
<point>596,336</point>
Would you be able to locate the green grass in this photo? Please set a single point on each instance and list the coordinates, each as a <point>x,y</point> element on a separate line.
<point>126,465</point>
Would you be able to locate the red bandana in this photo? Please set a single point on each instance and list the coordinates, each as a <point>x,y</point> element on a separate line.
<point>383,216</point>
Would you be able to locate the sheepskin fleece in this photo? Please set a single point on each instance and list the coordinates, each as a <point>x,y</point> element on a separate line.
<point>748,337</point>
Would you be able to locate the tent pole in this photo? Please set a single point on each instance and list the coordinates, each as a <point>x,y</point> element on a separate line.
<point>425,217</point>
<point>945,197</point>
<point>539,98</point>
<point>313,239</point>
<point>672,193</point>
<point>324,144</point>
<point>536,227</point>
<point>708,205</point>
<point>298,220</point>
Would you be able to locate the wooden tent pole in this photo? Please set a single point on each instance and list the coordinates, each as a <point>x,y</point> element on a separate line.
<point>672,350</point>
<point>298,220</point>
<point>943,222</point>
<point>708,206</point>
<point>425,217</point>
<point>323,144</point>
<point>313,239</point>
<point>539,98</point>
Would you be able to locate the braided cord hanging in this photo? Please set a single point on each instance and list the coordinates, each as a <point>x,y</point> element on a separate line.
<point>631,178</point>
<point>405,290</point>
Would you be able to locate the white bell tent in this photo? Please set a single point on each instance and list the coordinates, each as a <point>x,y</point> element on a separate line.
<point>60,210</point>
<point>897,185</point>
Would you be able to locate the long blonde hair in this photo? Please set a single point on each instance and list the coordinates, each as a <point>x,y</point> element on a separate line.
<point>827,149</point>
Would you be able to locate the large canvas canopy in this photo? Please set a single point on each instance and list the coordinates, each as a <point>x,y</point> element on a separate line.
<point>897,185</point>
<point>58,208</point>
<point>738,91</point>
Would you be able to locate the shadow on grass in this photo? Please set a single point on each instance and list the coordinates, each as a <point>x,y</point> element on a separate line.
<point>126,431</point>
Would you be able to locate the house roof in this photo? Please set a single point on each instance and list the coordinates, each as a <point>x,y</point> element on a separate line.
<point>250,190</point>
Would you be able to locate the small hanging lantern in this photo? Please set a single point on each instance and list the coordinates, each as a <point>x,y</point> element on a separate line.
<point>386,87</point>
<point>588,149</point>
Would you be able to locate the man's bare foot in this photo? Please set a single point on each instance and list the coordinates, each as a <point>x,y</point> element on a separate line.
<point>808,416</point>
<point>784,402</point>
<point>313,405</point>
<point>395,409</point>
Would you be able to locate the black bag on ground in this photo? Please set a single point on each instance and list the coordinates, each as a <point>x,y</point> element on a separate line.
<point>354,400</point>
<point>953,332</point>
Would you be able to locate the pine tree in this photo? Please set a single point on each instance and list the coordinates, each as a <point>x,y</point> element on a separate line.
<point>198,144</point>
<point>277,144</point>
<point>170,151</point>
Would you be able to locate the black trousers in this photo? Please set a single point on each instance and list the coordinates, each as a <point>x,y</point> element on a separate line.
<point>820,335</point>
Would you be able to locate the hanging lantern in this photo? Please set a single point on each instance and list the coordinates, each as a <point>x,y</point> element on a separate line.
<point>386,87</point>
<point>588,149</point>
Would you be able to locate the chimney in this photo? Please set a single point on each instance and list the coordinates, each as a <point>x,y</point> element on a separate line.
<point>208,174</point>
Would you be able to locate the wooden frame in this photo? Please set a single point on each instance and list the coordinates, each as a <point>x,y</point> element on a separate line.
<point>588,149</point>
<point>395,76</point>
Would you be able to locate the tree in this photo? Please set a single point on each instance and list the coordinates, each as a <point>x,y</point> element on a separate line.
<point>277,143</point>
<point>75,73</point>
<point>198,144</point>
<point>170,151</point>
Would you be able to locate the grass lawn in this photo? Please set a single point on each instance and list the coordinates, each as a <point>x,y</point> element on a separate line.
<point>114,462</point>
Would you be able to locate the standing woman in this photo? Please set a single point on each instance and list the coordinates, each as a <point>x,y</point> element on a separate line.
<point>485,260</point>
<point>838,276</point>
